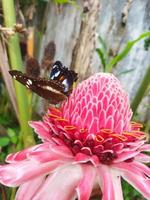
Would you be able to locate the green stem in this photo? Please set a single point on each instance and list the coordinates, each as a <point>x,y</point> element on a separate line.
<point>16,63</point>
<point>141,91</point>
<point>12,197</point>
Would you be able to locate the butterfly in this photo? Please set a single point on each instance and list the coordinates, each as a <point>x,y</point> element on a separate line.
<point>55,89</point>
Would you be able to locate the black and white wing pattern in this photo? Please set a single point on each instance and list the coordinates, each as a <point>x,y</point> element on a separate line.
<point>48,89</point>
<point>56,89</point>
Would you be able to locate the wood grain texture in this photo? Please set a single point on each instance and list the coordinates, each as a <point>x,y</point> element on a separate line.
<point>84,48</point>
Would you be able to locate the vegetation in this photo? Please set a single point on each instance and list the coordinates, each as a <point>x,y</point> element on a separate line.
<point>14,130</point>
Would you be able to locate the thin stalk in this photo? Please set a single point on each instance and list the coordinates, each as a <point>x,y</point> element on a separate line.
<point>16,63</point>
<point>12,197</point>
<point>141,91</point>
<point>4,67</point>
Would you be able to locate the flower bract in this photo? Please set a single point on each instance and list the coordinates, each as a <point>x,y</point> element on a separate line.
<point>88,143</point>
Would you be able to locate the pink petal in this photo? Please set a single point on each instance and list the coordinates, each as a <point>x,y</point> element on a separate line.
<point>141,167</point>
<point>62,151</point>
<point>83,158</point>
<point>145,147</point>
<point>125,156</point>
<point>142,158</point>
<point>119,126</point>
<point>105,102</point>
<point>139,183</point>
<point>22,155</point>
<point>135,174</point>
<point>61,184</point>
<point>85,186</point>
<point>18,173</point>
<point>95,89</point>
<point>110,123</point>
<point>116,178</point>
<point>110,110</point>
<point>88,118</point>
<point>102,119</point>
<point>106,184</point>
<point>27,190</point>
<point>44,156</point>
<point>93,128</point>
<point>135,145</point>
<point>42,129</point>
<point>125,167</point>
<point>41,153</point>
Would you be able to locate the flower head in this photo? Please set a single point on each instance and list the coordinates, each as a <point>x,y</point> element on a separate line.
<point>88,142</point>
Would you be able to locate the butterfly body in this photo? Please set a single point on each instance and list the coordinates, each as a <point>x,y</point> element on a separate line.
<point>56,89</point>
<point>64,75</point>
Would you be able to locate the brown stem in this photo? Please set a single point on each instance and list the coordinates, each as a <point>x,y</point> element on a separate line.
<point>83,50</point>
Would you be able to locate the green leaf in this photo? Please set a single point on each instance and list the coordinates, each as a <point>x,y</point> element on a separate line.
<point>101,56</point>
<point>14,139</point>
<point>11,132</point>
<point>103,44</point>
<point>5,120</point>
<point>64,1</point>
<point>125,72</point>
<point>125,51</point>
<point>4,141</point>
<point>102,52</point>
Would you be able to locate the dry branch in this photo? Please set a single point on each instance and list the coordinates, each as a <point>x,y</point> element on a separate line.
<point>83,50</point>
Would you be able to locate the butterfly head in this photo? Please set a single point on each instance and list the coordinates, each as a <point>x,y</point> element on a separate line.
<point>64,75</point>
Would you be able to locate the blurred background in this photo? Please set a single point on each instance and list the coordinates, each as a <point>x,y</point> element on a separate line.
<point>88,36</point>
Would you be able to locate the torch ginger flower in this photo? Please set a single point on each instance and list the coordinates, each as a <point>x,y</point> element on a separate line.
<point>88,142</point>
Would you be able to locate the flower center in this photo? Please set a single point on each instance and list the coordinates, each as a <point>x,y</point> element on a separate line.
<point>105,144</point>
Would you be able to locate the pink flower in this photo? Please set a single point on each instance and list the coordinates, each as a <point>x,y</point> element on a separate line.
<point>89,142</point>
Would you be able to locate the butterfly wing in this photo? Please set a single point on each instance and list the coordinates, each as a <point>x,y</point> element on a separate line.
<point>48,89</point>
